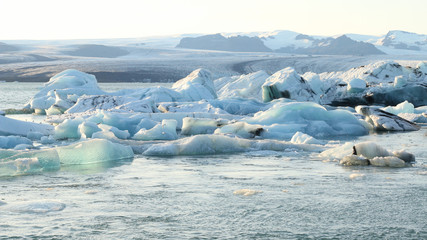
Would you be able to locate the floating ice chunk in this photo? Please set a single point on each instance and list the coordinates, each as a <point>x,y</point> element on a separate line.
<point>122,134</point>
<point>405,156</point>
<point>199,145</point>
<point>302,138</point>
<point>244,86</point>
<point>10,126</point>
<point>164,131</point>
<point>19,162</point>
<point>93,151</point>
<point>68,129</point>
<point>35,135</point>
<point>312,118</point>
<point>356,85</point>
<point>246,192</point>
<point>34,207</point>
<point>86,129</point>
<point>47,139</point>
<point>384,121</point>
<point>146,124</point>
<point>338,152</point>
<point>193,126</point>
<point>389,161</point>
<point>356,175</point>
<point>13,141</point>
<point>68,82</point>
<point>404,107</point>
<point>370,150</point>
<point>286,83</point>
<point>217,144</point>
<point>354,160</point>
<point>241,129</point>
<point>196,86</point>
<point>23,146</point>
<point>106,135</point>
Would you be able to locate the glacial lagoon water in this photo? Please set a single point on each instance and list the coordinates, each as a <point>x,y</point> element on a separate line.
<point>297,195</point>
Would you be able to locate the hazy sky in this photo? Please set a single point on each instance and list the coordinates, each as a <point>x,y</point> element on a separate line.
<point>72,19</point>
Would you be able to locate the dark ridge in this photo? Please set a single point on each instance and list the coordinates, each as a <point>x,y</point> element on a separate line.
<point>221,43</point>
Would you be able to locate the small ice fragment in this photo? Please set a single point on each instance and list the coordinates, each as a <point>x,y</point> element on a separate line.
<point>356,175</point>
<point>246,192</point>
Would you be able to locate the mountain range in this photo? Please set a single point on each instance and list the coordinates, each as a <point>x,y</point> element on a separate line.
<point>394,42</point>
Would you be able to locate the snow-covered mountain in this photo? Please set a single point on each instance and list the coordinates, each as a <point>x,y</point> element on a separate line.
<point>404,40</point>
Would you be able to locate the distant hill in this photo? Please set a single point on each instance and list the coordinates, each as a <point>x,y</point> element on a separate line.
<point>94,50</point>
<point>7,48</point>
<point>221,43</point>
<point>342,45</point>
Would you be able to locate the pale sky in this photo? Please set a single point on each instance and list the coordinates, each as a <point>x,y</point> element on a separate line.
<point>84,19</point>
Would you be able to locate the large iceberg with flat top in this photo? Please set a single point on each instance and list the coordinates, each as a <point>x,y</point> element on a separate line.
<point>284,119</point>
<point>9,126</point>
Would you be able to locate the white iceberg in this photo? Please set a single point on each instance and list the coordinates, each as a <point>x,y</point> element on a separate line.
<point>245,86</point>
<point>196,86</point>
<point>302,138</point>
<point>10,126</point>
<point>63,88</point>
<point>286,83</point>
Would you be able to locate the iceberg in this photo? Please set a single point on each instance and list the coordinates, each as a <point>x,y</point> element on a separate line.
<point>309,118</point>
<point>93,151</point>
<point>220,144</point>
<point>194,126</point>
<point>302,138</point>
<point>13,141</point>
<point>385,121</point>
<point>245,86</point>
<point>403,107</point>
<point>10,126</point>
<point>162,131</point>
<point>286,83</point>
<point>63,89</point>
<point>196,86</point>
<point>241,129</point>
